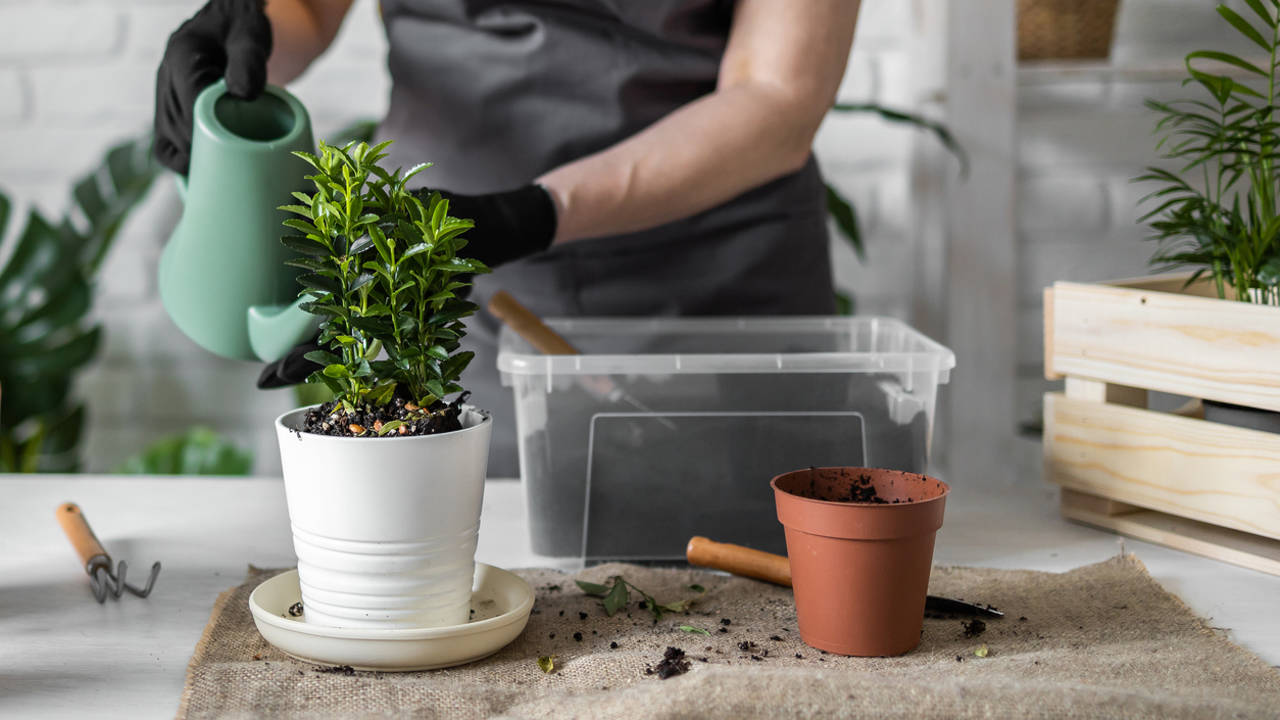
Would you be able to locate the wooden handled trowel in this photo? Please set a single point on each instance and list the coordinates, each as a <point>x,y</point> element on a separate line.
<point>776,569</point>
<point>529,326</point>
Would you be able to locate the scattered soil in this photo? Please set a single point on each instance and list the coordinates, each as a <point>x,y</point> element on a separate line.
<point>367,420</point>
<point>337,670</point>
<point>974,628</point>
<point>673,663</point>
<point>295,610</point>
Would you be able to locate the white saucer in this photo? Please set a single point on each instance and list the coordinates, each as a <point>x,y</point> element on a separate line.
<point>501,601</point>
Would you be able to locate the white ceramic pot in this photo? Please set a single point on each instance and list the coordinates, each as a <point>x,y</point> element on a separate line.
<point>385,528</point>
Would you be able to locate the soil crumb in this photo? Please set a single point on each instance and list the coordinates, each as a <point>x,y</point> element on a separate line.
<point>673,663</point>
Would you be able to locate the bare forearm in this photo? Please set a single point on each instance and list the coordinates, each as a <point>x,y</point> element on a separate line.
<point>778,78</point>
<point>696,158</point>
<point>301,30</point>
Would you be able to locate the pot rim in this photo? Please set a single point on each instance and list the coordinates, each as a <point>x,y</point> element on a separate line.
<point>486,417</point>
<point>946,489</point>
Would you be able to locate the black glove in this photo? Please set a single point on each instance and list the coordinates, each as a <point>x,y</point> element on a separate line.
<point>230,38</point>
<point>509,225</point>
<point>292,369</point>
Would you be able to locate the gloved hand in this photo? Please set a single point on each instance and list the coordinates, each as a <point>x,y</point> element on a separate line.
<point>226,38</point>
<point>509,225</point>
<point>292,369</point>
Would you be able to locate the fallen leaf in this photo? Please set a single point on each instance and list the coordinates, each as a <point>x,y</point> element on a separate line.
<point>692,629</point>
<point>981,651</point>
<point>547,663</point>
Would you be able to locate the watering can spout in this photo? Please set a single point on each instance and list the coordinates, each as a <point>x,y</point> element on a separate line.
<point>223,278</point>
<point>275,329</point>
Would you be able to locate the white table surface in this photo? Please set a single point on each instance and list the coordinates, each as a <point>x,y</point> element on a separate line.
<point>64,655</point>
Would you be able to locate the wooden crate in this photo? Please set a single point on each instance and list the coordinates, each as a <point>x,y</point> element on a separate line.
<point>1171,478</point>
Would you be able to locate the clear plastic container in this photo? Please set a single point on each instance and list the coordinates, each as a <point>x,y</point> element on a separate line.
<point>667,428</point>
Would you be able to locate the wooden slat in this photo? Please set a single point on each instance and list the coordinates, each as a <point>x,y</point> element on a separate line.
<point>1050,372</point>
<point>1172,342</point>
<point>1233,546</point>
<point>1206,471</point>
<point>1097,391</point>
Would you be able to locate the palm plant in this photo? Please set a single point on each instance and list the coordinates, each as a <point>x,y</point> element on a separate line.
<point>1227,225</point>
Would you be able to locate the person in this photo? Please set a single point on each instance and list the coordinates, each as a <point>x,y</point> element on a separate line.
<point>619,158</point>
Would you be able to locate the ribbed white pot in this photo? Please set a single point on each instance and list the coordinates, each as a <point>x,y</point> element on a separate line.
<point>385,528</point>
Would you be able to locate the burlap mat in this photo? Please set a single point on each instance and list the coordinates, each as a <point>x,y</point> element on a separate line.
<point>1100,641</point>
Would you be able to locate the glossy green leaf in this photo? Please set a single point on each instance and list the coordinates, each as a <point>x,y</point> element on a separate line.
<point>617,598</point>
<point>593,589</point>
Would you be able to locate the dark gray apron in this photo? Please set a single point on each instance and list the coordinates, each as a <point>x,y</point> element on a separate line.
<point>497,93</point>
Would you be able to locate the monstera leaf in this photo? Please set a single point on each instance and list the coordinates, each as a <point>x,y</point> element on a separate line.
<point>45,297</point>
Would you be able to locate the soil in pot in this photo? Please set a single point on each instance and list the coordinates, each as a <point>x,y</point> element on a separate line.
<point>370,420</point>
<point>860,542</point>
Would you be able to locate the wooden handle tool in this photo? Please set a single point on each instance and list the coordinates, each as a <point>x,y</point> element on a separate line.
<point>80,534</point>
<point>529,326</point>
<point>776,569</point>
<point>739,560</point>
<point>104,580</point>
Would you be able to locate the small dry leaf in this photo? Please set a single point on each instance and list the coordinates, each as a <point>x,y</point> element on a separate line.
<point>356,428</point>
<point>981,650</point>
<point>547,663</point>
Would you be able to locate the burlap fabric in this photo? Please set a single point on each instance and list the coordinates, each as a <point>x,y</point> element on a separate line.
<point>1100,641</point>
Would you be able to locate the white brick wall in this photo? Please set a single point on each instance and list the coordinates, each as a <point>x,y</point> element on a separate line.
<point>77,76</point>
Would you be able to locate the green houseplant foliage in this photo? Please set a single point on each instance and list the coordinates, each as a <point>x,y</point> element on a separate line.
<point>1218,211</point>
<point>46,336</point>
<point>198,451</point>
<point>382,271</point>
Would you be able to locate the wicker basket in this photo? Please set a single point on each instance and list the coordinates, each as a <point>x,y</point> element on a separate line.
<point>1056,29</point>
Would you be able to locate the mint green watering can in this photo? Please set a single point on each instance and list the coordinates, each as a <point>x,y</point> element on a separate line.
<point>222,276</point>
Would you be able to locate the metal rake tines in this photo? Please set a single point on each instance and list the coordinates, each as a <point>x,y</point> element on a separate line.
<point>105,582</point>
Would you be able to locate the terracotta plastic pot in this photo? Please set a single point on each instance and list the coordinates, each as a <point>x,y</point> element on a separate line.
<point>860,570</point>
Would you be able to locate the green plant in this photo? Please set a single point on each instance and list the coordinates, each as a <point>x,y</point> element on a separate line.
<point>46,336</point>
<point>198,451</point>
<point>617,595</point>
<point>842,210</point>
<point>383,272</point>
<point>1227,224</point>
